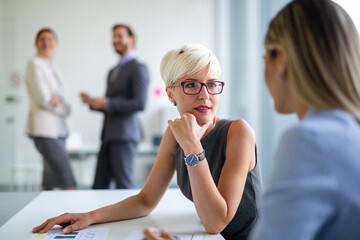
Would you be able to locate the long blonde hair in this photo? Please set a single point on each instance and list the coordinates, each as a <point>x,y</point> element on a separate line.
<point>323,46</point>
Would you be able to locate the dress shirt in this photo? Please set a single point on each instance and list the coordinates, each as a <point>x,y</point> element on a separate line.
<point>122,62</point>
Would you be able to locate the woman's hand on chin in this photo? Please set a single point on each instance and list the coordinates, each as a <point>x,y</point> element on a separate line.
<point>188,132</point>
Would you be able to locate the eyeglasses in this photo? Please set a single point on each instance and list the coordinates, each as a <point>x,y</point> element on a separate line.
<point>194,87</point>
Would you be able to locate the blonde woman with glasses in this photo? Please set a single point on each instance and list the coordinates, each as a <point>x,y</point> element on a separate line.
<point>215,159</point>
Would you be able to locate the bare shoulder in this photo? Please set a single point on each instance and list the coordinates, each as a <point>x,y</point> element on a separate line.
<point>240,146</point>
<point>241,129</point>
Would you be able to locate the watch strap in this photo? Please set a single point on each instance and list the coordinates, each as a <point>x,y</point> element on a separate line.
<point>201,156</point>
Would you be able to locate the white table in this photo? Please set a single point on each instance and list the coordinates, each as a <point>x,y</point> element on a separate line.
<point>174,213</point>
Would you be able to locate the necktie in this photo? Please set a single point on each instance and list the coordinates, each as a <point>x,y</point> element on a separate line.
<point>115,73</point>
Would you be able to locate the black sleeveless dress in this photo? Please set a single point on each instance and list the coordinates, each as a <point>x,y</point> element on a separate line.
<point>214,145</point>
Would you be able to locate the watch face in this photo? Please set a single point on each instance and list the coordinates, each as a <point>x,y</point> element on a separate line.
<point>191,160</point>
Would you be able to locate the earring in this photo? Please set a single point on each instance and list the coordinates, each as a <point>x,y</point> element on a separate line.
<point>174,104</point>
<point>279,77</point>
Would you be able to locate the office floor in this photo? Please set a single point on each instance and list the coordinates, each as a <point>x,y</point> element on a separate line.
<point>13,202</point>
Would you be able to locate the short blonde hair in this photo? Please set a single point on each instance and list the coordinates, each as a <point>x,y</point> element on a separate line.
<point>323,50</point>
<point>187,60</point>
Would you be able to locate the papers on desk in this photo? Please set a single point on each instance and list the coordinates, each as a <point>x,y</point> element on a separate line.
<point>137,235</point>
<point>101,234</point>
<point>84,234</point>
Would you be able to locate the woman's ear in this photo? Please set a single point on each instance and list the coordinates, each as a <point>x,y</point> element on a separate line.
<point>170,94</point>
<point>281,62</point>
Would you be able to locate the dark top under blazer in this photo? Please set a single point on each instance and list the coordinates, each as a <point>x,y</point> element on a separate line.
<point>127,94</point>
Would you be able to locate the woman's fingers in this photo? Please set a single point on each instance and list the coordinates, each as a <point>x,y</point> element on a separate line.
<point>73,227</point>
<point>151,233</point>
<point>40,227</point>
<point>166,235</point>
<point>70,221</point>
<point>47,225</point>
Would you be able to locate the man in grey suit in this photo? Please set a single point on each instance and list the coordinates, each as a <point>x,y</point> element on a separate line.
<point>126,93</point>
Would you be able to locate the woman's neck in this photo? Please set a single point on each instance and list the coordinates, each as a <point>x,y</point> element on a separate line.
<point>44,56</point>
<point>211,127</point>
<point>301,110</point>
<point>298,106</point>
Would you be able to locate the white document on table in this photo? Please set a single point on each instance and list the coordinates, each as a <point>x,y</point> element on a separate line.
<point>84,234</point>
<point>137,235</point>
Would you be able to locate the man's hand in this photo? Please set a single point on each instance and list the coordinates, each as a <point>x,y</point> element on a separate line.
<point>98,103</point>
<point>85,98</point>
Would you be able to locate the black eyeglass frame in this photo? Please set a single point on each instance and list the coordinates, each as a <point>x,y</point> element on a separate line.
<point>202,84</point>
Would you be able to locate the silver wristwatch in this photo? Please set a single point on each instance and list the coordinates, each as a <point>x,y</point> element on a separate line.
<point>192,160</point>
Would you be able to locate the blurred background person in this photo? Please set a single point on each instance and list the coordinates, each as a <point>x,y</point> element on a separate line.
<point>48,109</point>
<point>126,93</point>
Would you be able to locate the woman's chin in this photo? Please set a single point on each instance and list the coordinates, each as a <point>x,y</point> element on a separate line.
<point>202,121</point>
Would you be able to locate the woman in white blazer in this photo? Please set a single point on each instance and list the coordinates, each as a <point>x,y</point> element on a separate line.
<point>48,110</point>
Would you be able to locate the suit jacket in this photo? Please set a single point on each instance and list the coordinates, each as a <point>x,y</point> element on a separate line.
<point>127,95</point>
<point>42,83</point>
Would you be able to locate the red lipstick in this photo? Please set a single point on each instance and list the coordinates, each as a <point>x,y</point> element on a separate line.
<point>202,109</point>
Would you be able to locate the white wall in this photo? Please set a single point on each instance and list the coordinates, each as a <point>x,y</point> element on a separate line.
<point>352,8</point>
<point>85,54</point>
<point>7,126</point>
<point>233,29</point>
